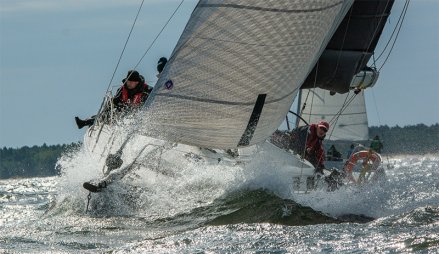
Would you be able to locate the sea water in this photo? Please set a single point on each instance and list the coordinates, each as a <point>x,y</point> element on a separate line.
<point>175,211</point>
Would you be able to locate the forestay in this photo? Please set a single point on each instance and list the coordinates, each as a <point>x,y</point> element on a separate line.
<point>237,67</point>
<point>346,113</point>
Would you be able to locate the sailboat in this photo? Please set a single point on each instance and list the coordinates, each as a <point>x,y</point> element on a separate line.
<point>228,85</point>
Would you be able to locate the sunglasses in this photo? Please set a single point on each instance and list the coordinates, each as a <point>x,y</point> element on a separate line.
<point>324,129</point>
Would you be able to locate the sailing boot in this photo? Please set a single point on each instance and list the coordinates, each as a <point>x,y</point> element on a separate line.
<point>81,123</point>
<point>94,187</point>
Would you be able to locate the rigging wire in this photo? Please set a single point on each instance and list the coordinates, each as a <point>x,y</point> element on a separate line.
<point>101,108</point>
<point>347,101</point>
<point>376,107</point>
<point>123,50</point>
<point>158,35</point>
<point>377,27</point>
<point>303,107</point>
<point>337,115</point>
<point>394,30</point>
<point>313,92</point>
<point>379,121</point>
<point>126,43</point>
<point>303,153</point>
<point>343,107</point>
<point>150,46</point>
<point>397,34</point>
<point>374,62</point>
<point>397,27</point>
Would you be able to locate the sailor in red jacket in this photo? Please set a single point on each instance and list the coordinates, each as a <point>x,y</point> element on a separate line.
<point>314,150</point>
<point>132,94</point>
<point>307,141</point>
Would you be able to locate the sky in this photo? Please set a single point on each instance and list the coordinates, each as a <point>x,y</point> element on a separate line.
<point>57,59</point>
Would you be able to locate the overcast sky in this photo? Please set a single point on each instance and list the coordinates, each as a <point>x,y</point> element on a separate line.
<point>57,59</point>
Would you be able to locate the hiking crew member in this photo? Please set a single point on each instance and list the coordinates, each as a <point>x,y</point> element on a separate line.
<point>132,94</point>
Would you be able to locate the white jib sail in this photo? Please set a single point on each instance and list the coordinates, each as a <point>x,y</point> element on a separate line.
<point>345,113</point>
<point>236,69</point>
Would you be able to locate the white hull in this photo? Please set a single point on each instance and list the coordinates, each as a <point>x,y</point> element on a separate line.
<point>170,158</point>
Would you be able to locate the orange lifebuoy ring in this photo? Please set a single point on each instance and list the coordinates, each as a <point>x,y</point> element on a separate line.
<point>370,163</point>
<point>365,156</point>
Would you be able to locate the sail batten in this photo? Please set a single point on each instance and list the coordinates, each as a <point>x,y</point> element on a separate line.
<point>230,53</point>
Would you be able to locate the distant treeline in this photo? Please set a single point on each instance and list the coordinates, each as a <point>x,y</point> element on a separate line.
<point>35,161</point>
<point>41,160</point>
<point>412,139</point>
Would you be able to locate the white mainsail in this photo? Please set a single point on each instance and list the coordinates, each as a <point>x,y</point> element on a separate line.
<point>236,69</point>
<point>345,113</point>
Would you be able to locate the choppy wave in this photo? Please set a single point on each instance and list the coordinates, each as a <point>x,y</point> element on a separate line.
<point>386,235</point>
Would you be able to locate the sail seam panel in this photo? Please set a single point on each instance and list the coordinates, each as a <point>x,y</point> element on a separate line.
<point>254,44</point>
<point>185,97</point>
<point>254,8</point>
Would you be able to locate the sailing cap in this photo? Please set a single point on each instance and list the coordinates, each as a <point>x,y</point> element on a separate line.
<point>324,125</point>
<point>133,76</point>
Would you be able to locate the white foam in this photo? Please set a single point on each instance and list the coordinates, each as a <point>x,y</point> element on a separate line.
<point>180,184</point>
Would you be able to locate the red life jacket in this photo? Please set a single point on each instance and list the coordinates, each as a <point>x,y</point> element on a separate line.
<point>137,98</point>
